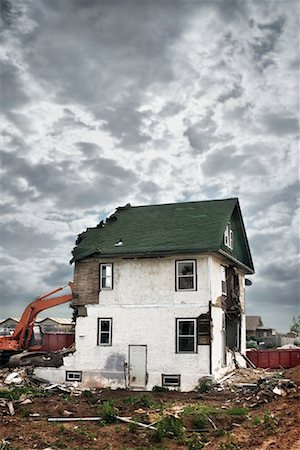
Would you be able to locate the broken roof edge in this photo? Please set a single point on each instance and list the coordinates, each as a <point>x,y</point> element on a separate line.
<point>249,270</point>
<point>141,254</point>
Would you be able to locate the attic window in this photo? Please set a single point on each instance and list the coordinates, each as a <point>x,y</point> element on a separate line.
<point>228,236</point>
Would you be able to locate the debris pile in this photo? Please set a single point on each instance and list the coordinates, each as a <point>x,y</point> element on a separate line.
<point>257,386</point>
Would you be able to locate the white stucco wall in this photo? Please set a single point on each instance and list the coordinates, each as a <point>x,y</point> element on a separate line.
<point>144,306</point>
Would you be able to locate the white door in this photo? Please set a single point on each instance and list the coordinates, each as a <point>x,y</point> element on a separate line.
<point>137,365</point>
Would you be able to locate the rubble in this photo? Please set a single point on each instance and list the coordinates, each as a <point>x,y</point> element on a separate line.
<point>257,386</point>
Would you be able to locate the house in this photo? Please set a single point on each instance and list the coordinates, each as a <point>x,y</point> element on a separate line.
<point>159,294</point>
<point>255,328</point>
<point>252,323</point>
<point>56,325</point>
<point>48,325</point>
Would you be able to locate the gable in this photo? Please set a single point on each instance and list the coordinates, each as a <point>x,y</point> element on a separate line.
<point>154,230</point>
<point>241,250</point>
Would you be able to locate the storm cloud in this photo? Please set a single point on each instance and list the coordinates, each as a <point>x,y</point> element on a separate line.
<point>105,103</point>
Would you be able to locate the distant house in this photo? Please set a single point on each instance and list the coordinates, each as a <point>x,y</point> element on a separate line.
<point>255,328</point>
<point>56,325</point>
<point>48,325</point>
<point>159,292</point>
<point>7,326</point>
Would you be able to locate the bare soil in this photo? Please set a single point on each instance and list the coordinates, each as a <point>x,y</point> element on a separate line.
<point>269,426</point>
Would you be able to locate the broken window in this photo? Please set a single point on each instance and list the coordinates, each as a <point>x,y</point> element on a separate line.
<point>186,275</point>
<point>104,331</point>
<point>228,236</point>
<point>204,329</point>
<point>186,330</point>
<point>106,276</point>
<point>223,280</point>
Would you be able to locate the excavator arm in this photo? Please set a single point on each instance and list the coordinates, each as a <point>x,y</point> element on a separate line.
<point>21,337</point>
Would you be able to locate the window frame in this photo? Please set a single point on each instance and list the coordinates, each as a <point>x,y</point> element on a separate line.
<point>186,319</point>
<point>164,384</point>
<point>177,276</point>
<point>101,266</point>
<point>229,236</point>
<point>99,343</point>
<point>77,372</point>
<point>223,271</point>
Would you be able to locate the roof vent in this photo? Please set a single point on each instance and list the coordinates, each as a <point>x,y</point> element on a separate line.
<point>119,243</point>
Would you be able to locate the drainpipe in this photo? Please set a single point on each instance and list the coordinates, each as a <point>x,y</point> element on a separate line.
<point>209,311</point>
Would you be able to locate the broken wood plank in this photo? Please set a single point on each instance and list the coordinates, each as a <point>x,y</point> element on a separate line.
<point>127,420</point>
<point>73,419</point>
<point>11,408</point>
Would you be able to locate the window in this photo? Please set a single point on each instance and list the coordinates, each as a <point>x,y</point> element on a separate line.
<point>186,336</point>
<point>72,375</point>
<point>186,275</point>
<point>170,380</point>
<point>223,280</point>
<point>106,276</point>
<point>104,331</point>
<point>228,236</point>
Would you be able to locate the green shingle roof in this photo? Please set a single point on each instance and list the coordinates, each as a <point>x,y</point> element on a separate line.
<point>191,227</point>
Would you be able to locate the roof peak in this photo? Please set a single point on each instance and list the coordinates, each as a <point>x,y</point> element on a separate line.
<point>186,203</point>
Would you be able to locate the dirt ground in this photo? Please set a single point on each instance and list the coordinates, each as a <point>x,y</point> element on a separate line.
<point>234,421</point>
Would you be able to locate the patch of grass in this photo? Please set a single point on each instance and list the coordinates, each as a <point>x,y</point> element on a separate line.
<point>141,401</point>
<point>237,411</point>
<point>14,393</point>
<point>169,426</point>
<point>132,427</point>
<point>200,408</point>
<point>108,412</point>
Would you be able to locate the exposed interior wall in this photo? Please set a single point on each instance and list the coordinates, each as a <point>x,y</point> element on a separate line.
<point>86,282</point>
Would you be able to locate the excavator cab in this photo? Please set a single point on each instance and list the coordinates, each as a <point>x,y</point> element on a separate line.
<point>37,337</point>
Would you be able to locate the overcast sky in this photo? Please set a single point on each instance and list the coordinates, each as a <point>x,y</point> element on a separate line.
<point>109,102</point>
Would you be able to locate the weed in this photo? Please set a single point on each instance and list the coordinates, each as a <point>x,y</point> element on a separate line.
<point>203,409</point>
<point>194,442</point>
<point>204,385</point>
<point>108,412</point>
<point>199,421</point>
<point>169,426</point>
<point>229,446</point>
<point>220,432</point>
<point>160,389</point>
<point>256,420</point>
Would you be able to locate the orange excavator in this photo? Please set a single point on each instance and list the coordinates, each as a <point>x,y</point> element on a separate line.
<point>28,336</point>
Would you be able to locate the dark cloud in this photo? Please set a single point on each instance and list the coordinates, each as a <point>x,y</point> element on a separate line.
<point>23,242</point>
<point>13,90</point>
<point>227,159</point>
<point>235,92</point>
<point>58,274</point>
<point>279,124</point>
<point>64,181</point>
<point>265,42</point>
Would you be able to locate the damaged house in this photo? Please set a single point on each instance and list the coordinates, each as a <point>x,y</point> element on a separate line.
<point>159,295</point>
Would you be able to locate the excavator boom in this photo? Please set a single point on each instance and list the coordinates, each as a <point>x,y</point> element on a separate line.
<point>23,332</point>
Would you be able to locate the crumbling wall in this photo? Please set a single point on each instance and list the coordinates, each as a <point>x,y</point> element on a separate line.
<point>86,282</point>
